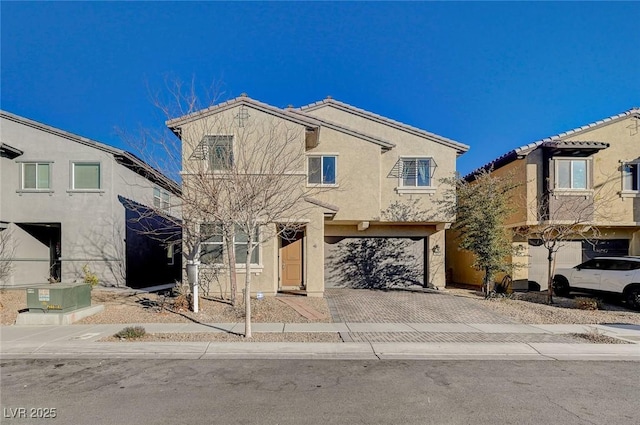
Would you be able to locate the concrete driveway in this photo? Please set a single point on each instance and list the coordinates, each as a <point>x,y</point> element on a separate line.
<point>406,306</point>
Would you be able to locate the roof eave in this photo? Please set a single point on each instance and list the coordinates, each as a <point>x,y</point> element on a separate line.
<point>460,147</point>
<point>176,123</point>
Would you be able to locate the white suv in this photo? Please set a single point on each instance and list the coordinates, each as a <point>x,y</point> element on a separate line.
<point>614,275</point>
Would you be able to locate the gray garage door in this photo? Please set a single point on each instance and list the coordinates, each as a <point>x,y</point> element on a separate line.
<point>377,263</point>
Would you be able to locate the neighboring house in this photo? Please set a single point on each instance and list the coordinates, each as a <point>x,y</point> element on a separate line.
<point>594,170</point>
<point>70,203</point>
<point>375,215</point>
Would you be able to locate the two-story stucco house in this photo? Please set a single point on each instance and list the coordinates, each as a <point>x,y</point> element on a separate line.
<point>375,209</point>
<point>70,203</point>
<point>590,172</point>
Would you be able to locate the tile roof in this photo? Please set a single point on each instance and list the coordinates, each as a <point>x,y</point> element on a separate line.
<point>288,114</point>
<point>243,99</point>
<point>576,144</point>
<point>338,127</point>
<point>461,148</point>
<point>528,148</point>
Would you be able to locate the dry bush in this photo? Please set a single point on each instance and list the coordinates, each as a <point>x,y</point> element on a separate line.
<point>584,303</point>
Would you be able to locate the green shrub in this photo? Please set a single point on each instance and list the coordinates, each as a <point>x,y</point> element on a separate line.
<point>131,332</point>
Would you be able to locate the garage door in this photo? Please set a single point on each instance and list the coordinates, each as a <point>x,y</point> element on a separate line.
<point>568,256</point>
<point>376,263</point>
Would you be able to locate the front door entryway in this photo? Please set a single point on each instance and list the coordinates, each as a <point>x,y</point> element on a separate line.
<point>291,264</point>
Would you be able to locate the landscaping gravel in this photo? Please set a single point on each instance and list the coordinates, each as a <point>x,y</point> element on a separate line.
<point>532,309</point>
<point>227,337</point>
<point>126,306</point>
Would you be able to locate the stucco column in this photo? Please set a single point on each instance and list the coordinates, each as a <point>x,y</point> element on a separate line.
<point>435,254</point>
<point>314,255</point>
<point>634,245</point>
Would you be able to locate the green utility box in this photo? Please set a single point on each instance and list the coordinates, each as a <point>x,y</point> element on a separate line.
<point>58,297</point>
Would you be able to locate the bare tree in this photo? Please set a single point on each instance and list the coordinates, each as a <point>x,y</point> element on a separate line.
<point>255,191</point>
<point>565,217</point>
<point>242,181</point>
<point>7,251</point>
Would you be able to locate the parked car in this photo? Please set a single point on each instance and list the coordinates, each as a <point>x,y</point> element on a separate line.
<point>611,275</point>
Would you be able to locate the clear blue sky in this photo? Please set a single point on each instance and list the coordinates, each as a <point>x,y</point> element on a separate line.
<point>491,75</point>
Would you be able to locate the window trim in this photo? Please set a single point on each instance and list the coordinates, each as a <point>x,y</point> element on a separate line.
<point>322,155</point>
<point>630,193</point>
<point>161,206</point>
<point>588,183</point>
<point>209,149</point>
<point>402,189</point>
<point>254,267</point>
<point>21,179</point>
<point>72,176</point>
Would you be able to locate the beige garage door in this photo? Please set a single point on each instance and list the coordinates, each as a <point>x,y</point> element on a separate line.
<point>568,256</point>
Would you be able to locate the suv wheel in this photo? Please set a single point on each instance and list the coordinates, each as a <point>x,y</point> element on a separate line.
<point>560,286</point>
<point>632,296</point>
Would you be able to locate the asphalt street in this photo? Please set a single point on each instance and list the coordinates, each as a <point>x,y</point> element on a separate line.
<point>94,391</point>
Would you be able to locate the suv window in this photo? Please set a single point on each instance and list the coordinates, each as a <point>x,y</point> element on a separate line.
<point>591,265</point>
<point>621,265</point>
<point>610,264</point>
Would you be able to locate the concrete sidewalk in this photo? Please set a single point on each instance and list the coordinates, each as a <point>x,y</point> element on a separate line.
<point>368,341</point>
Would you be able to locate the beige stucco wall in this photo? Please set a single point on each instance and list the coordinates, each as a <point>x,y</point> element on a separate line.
<point>358,191</point>
<point>262,140</point>
<point>385,183</point>
<point>265,276</point>
<point>363,191</point>
<point>624,139</point>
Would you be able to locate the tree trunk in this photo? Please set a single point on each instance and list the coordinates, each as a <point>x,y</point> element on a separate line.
<point>550,277</point>
<point>488,276</point>
<point>247,288</point>
<point>192,278</point>
<point>231,260</point>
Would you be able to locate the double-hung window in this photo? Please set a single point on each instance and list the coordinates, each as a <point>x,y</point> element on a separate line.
<point>220,152</point>
<point>630,177</point>
<point>36,176</point>
<point>321,169</point>
<point>213,241</point>
<point>85,176</point>
<point>161,198</point>
<point>416,172</point>
<point>572,174</point>
<point>211,247</point>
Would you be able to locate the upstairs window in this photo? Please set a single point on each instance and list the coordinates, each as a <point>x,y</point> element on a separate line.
<point>85,176</point>
<point>321,169</point>
<point>36,176</point>
<point>220,152</point>
<point>161,198</point>
<point>630,177</point>
<point>571,174</point>
<point>416,172</point>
